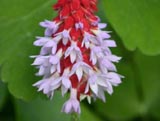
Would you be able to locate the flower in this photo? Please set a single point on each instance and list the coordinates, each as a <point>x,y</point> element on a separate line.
<point>74,52</point>
<point>99,83</point>
<point>102,25</point>
<point>88,38</point>
<point>48,44</point>
<point>46,85</point>
<point>106,63</point>
<point>64,35</point>
<point>51,27</point>
<point>96,52</point>
<point>79,68</point>
<point>72,105</point>
<point>101,35</point>
<point>75,55</point>
<point>64,81</point>
<point>79,25</point>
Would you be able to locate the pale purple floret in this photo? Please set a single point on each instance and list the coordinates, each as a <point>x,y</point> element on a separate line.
<point>113,58</point>
<point>74,52</point>
<point>72,105</point>
<point>105,46</point>
<point>41,41</point>
<point>111,79</point>
<point>64,35</point>
<point>43,71</point>
<point>51,27</point>
<point>99,83</point>
<point>79,25</point>
<point>79,68</point>
<point>101,94</point>
<point>102,25</point>
<point>45,85</point>
<point>96,53</point>
<point>55,61</point>
<point>95,23</point>
<point>42,63</point>
<point>66,84</point>
<point>87,39</point>
<point>64,81</point>
<point>95,81</point>
<point>101,35</point>
<point>49,45</point>
<point>40,60</point>
<point>108,43</point>
<point>48,64</point>
<point>92,84</point>
<point>106,63</point>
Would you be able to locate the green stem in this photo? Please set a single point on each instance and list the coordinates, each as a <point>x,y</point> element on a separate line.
<point>74,117</point>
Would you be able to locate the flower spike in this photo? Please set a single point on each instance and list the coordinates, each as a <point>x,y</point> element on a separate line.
<point>75,55</point>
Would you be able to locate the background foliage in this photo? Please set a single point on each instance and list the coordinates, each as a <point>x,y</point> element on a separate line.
<point>135,25</point>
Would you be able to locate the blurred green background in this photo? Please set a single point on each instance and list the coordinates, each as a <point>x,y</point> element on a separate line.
<point>135,25</point>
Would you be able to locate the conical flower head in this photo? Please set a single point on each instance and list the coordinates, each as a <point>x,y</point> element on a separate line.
<point>75,55</point>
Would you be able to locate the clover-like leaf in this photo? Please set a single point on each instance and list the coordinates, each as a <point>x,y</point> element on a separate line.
<point>19,23</point>
<point>136,22</point>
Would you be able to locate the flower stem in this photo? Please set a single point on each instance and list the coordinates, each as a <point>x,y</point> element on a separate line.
<point>74,117</point>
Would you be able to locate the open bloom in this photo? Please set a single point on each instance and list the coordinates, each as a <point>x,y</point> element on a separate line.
<point>74,52</point>
<point>75,55</point>
<point>64,35</point>
<point>72,105</point>
<point>51,27</point>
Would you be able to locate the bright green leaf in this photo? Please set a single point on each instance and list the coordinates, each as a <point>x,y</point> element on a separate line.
<point>19,25</point>
<point>136,22</point>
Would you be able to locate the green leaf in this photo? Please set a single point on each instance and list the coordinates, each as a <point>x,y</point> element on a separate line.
<point>3,94</point>
<point>19,25</point>
<point>42,110</point>
<point>136,22</point>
